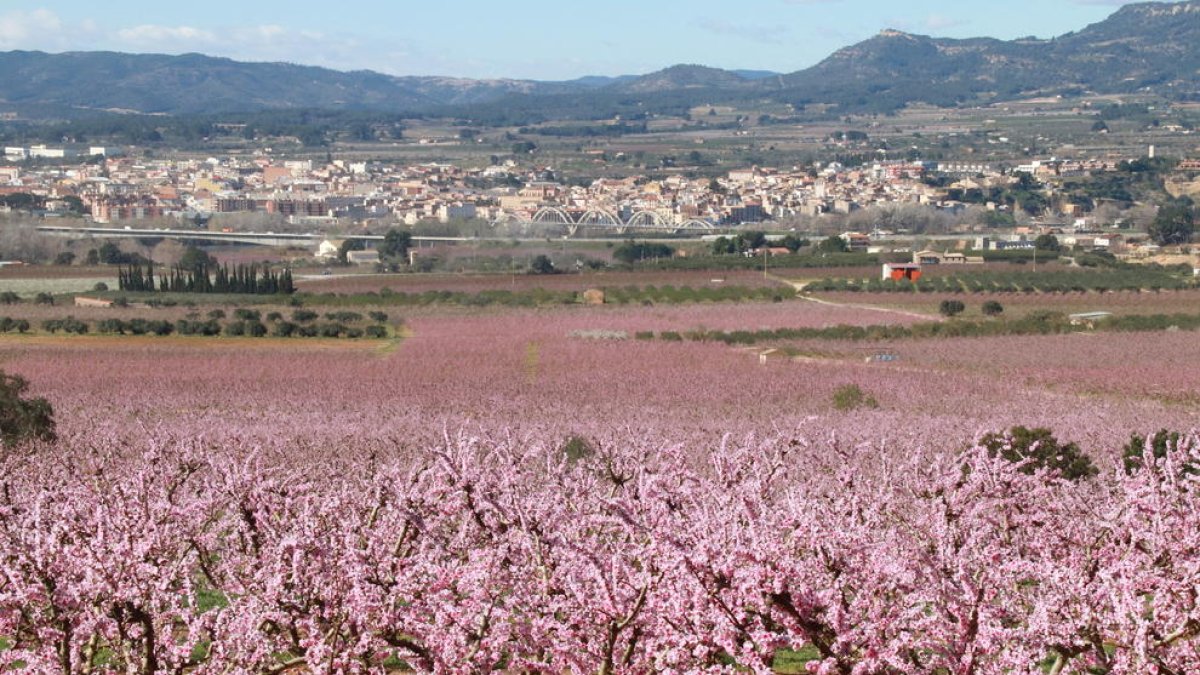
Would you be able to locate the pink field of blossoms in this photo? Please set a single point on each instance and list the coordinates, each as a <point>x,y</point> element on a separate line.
<point>504,492</point>
<point>474,283</point>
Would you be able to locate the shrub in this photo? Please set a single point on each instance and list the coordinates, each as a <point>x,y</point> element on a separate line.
<point>23,419</point>
<point>1037,449</point>
<point>378,317</point>
<point>376,332</point>
<point>111,326</point>
<point>993,308</point>
<point>344,317</point>
<point>246,314</point>
<point>100,287</point>
<point>283,329</point>
<point>331,330</point>
<point>852,397</point>
<point>1138,449</point>
<point>951,307</point>
<point>217,314</point>
<point>576,448</point>
<point>255,329</point>
<point>43,299</point>
<point>235,328</point>
<point>10,298</point>
<point>274,316</point>
<point>304,315</point>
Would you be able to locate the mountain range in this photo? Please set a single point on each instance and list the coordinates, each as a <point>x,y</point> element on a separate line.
<point>1153,46</point>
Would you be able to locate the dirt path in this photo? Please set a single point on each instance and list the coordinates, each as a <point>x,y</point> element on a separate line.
<point>801,285</point>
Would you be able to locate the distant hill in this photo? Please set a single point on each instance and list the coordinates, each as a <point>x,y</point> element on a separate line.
<point>1145,45</point>
<point>684,77</point>
<point>1154,46</point>
<point>194,83</point>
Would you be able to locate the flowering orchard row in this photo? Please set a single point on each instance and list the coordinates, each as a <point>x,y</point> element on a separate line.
<point>507,554</point>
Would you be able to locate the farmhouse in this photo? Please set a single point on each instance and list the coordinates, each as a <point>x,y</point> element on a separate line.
<point>948,258</point>
<point>329,248</point>
<point>1089,319</point>
<point>362,257</point>
<point>901,271</point>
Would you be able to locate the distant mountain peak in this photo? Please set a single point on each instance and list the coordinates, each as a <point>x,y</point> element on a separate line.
<point>1152,46</point>
<point>685,76</point>
<point>1159,9</point>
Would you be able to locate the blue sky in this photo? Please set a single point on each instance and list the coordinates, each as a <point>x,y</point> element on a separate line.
<point>536,39</point>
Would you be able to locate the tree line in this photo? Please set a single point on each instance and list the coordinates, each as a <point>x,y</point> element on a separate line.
<point>205,278</point>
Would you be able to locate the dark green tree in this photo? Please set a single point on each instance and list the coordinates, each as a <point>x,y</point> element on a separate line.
<point>1139,449</point>
<point>395,244</point>
<point>109,254</point>
<point>21,418</point>
<point>350,245</point>
<point>993,308</point>
<point>1047,242</point>
<point>542,264</point>
<point>1038,449</point>
<point>633,251</point>
<point>195,260</point>
<point>833,244</point>
<point>951,307</point>
<point>1174,224</point>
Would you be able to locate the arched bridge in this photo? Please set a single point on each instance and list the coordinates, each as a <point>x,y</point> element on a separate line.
<point>299,240</point>
<point>605,219</point>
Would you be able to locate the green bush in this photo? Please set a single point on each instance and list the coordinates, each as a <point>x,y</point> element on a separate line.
<point>1135,451</point>
<point>22,418</point>
<point>577,448</point>
<point>951,307</point>
<point>852,397</point>
<point>283,329</point>
<point>1038,449</point>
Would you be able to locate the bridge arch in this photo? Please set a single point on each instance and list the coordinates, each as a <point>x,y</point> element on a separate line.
<point>553,214</point>
<point>697,224</point>
<point>600,217</point>
<point>646,219</point>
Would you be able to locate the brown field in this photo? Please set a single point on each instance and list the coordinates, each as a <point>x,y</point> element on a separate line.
<point>1021,304</point>
<point>474,283</point>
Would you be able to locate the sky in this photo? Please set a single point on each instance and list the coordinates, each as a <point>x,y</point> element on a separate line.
<point>524,39</point>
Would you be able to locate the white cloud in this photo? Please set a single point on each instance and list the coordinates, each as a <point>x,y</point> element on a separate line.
<point>148,35</point>
<point>942,22</point>
<point>24,29</point>
<point>753,32</point>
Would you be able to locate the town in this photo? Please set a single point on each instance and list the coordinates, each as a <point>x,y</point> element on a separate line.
<point>999,206</point>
